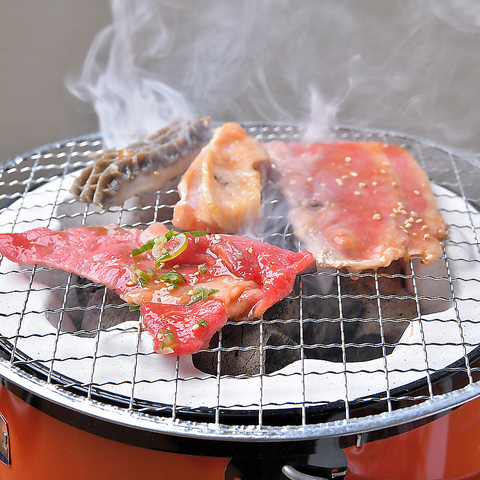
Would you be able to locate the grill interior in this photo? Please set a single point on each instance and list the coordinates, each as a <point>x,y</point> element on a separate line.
<point>339,351</point>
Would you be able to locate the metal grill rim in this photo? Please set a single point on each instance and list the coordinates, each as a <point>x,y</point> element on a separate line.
<point>398,405</point>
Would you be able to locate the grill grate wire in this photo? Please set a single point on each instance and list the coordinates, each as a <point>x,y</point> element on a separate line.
<point>34,189</point>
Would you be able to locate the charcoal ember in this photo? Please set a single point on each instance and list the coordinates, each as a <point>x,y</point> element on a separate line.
<point>366,315</point>
<point>85,300</point>
<point>396,301</point>
<point>84,289</point>
<point>113,312</point>
<point>142,167</point>
<point>358,317</point>
<point>79,295</point>
<point>241,353</point>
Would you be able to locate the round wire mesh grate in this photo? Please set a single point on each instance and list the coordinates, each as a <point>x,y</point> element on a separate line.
<point>340,355</point>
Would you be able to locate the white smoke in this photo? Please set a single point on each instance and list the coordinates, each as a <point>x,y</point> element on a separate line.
<point>409,66</point>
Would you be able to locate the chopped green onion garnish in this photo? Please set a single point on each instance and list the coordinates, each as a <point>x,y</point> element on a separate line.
<point>174,278</point>
<point>144,248</point>
<point>169,337</point>
<point>170,234</point>
<point>201,293</point>
<point>141,274</point>
<point>198,233</point>
<point>202,269</point>
<point>202,323</point>
<point>154,242</point>
<point>133,308</point>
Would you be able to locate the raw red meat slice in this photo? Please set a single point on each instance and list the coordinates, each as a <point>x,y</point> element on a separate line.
<point>101,254</point>
<point>182,329</point>
<point>245,276</point>
<point>359,205</point>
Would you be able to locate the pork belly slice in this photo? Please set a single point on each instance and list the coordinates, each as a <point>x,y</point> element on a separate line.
<point>358,205</point>
<point>221,190</point>
<point>144,166</point>
<point>163,272</point>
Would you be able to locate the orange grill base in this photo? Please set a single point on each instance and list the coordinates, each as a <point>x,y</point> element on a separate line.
<point>43,448</point>
<point>447,448</point>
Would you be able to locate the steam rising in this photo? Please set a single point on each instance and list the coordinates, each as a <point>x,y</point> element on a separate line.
<point>410,66</point>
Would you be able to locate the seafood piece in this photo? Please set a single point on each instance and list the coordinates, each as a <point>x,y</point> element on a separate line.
<point>169,274</point>
<point>221,190</point>
<point>142,167</point>
<point>358,205</point>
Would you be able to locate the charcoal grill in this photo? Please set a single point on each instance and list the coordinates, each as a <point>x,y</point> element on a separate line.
<point>303,390</point>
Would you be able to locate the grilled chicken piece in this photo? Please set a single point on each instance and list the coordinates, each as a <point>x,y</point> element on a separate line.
<point>358,205</point>
<point>221,190</point>
<point>142,167</point>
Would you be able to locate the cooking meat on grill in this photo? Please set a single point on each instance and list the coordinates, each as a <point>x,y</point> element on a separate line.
<point>221,190</point>
<point>182,329</point>
<point>358,205</point>
<point>187,284</point>
<point>146,166</point>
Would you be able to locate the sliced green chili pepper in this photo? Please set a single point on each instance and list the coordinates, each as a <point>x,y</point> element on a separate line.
<point>175,251</point>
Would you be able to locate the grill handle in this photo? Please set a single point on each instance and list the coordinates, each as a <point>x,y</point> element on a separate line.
<point>293,474</point>
<point>274,469</point>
